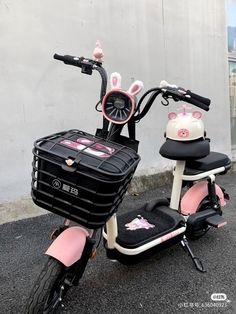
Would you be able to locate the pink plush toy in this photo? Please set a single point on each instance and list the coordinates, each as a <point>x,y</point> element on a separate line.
<point>98,53</point>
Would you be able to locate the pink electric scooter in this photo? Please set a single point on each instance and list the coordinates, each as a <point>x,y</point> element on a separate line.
<point>84,178</point>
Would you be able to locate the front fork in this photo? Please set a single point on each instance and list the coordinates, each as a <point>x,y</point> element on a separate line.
<point>75,272</point>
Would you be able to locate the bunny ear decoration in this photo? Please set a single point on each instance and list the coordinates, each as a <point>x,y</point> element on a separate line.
<point>135,88</point>
<point>115,80</point>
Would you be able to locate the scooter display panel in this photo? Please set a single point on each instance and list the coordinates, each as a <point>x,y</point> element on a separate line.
<point>139,227</point>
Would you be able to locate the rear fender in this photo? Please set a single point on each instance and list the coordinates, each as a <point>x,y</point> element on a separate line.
<point>194,196</point>
<point>69,245</point>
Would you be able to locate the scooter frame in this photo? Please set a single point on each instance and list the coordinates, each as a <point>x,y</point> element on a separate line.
<point>73,244</point>
<point>111,227</point>
<point>80,233</point>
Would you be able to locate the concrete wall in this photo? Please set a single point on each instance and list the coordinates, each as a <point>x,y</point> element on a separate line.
<point>181,41</point>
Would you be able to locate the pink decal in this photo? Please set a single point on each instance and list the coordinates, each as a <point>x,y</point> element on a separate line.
<point>167,237</point>
<point>139,223</point>
<point>97,149</point>
<point>172,234</point>
<point>183,133</point>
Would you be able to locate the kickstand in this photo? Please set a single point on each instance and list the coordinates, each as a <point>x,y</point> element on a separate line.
<point>197,262</point>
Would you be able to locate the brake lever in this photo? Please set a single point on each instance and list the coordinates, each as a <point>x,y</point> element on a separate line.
<point>176,93</point>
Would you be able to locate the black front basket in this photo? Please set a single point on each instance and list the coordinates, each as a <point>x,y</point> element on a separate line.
<point>80,176</point>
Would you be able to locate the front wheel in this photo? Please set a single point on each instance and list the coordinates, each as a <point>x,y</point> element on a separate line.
<point>49,289</point>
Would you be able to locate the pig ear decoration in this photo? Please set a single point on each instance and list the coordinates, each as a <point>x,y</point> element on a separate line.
<point>135,88</point>
<point>172,115</point>
<point>115,80</point>
<point>197,114</point>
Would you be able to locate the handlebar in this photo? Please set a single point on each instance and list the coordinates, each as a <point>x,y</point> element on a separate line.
<point>68,59</point>
<point>167,90</point>
<point>203,100</point>
<point>170,91</point>
<point>179,93</point>
<point>87,66</point>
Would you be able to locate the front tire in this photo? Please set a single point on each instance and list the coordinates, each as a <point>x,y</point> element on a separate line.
<point>47,293</point>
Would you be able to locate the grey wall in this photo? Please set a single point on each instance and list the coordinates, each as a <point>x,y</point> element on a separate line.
<point>181,41</point>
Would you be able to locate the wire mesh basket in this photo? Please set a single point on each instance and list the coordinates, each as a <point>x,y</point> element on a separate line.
<point>80,176</point>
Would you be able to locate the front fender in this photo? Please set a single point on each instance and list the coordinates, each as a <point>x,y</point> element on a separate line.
<point>68,246</point>
<point>193,197</point>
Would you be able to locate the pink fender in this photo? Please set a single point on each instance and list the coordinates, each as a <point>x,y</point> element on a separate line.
<point>193,197</point>
<point>68,246</point>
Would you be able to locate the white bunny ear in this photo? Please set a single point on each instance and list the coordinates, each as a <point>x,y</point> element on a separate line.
<point>135,88</point>
<point>115,80</point>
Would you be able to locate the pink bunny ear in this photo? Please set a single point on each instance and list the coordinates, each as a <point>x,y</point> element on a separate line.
<point>98,44</point>
<point>197,114</point>
<point>135,88</point>
<point>115,80</point>
<point>172,115</point>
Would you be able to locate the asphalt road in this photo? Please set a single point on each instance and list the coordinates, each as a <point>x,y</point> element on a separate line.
<point>166,283</point>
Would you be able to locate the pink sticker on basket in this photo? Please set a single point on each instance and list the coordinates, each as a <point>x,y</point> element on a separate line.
<point>139,223</point>
<point>97,149</point>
